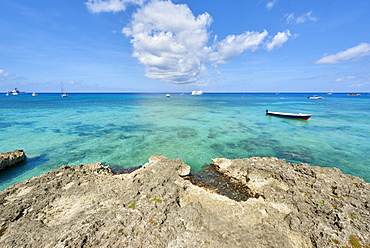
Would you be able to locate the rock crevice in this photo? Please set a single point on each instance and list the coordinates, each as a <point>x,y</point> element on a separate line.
<point>156,206</point>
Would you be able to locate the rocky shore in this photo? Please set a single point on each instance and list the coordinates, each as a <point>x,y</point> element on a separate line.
<point>11,158</point>
<point>162,205</point>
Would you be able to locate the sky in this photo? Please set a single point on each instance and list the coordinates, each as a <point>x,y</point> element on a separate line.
<point>185,45</point>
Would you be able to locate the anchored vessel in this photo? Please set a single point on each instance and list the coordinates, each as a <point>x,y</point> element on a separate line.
<point>289,115</point>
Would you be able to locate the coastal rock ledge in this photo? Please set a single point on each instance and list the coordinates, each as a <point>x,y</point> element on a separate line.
<point>291,205</point>
<point>10,158</point>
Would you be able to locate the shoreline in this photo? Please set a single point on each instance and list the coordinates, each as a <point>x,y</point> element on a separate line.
<point>290,205</point>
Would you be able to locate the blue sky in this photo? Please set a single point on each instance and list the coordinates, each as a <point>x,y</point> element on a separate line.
<point>185,45</point>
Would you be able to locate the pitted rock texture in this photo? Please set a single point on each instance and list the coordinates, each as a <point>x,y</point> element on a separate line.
<point>8,159</point>
<point>154,206</point>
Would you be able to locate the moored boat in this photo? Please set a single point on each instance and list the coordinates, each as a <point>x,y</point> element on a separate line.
<point>63,94</point>
<point>315,97</point>
<point>289,115</point>
<point>15,92</point>
<point>354,94</point>
<point>197,92</point>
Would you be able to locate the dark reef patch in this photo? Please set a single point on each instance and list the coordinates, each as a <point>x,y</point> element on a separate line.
<point>125,170</point>
<point>295,156</point>
<point>187,133</point>
<point>209,178</point>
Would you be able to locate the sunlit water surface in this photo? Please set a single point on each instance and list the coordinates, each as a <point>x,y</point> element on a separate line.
<point>124,130</point>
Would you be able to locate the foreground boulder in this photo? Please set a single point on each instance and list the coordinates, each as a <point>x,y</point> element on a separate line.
<point>155,206</point>
<point>10,158</point>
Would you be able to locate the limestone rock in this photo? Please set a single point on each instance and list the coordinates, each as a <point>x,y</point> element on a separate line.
<point>10,158</point>
<point>328,207</point>
<point>155,206</point>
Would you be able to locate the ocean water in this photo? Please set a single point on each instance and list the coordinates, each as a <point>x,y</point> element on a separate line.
<point>123,130</point>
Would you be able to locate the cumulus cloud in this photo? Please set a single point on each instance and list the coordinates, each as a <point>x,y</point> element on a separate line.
<point>350,54</point>
<point>97,6</point>
<point>290,18</point>
<point>234,45</point>
<point>170,41</point>
<point>175,46</point>
<point>279,39</point>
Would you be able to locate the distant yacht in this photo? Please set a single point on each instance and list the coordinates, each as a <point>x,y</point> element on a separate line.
<point>197,93</point>
<point>15,92</point>
<point>168,95</point>
<point>63,94</point>
<point>34,94</point>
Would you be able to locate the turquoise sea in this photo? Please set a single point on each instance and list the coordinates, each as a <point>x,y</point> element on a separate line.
<point>124,130</point>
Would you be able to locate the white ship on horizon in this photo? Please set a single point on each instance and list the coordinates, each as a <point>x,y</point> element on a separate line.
<point>197,92</point>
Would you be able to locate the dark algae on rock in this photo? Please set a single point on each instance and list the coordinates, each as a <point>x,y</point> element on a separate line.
<point>219,183</point>
<point>162,205</point>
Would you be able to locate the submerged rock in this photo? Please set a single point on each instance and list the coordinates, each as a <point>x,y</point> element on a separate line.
<point>155,206</point>
<point>11,158</point>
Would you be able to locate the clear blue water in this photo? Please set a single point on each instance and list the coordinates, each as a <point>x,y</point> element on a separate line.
<point>124,130</point>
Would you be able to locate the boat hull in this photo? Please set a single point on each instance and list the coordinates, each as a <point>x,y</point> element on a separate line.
<point>197,93</point>
<point>289,115</point>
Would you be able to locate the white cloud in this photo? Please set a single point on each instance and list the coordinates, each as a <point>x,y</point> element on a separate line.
<point>279,39</point>
<point>234,45</point>
<point>290,18</point>
<point>173,44</point>
<point>359,85</point>
<point>170,41</point>
<point>343,79</point>
<point>97,6</point>
<point>353,53</point>
<point>271,4</point>
<point>4,75</point>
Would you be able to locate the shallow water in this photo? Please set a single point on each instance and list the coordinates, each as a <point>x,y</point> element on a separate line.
<point>123,130</point>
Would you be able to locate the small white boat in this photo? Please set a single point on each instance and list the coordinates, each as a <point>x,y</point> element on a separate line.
<point>315,97</point>
<point>63,94</point>
<point>34,94</point>
<point>15,92</point>
<point>197,92</point>
<point>168,95</point>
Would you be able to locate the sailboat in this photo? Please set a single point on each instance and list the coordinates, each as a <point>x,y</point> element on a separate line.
<point>63,94</point>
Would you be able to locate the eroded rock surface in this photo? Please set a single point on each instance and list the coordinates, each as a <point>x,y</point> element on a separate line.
<point>8,159</point>
<point>154,206</point>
